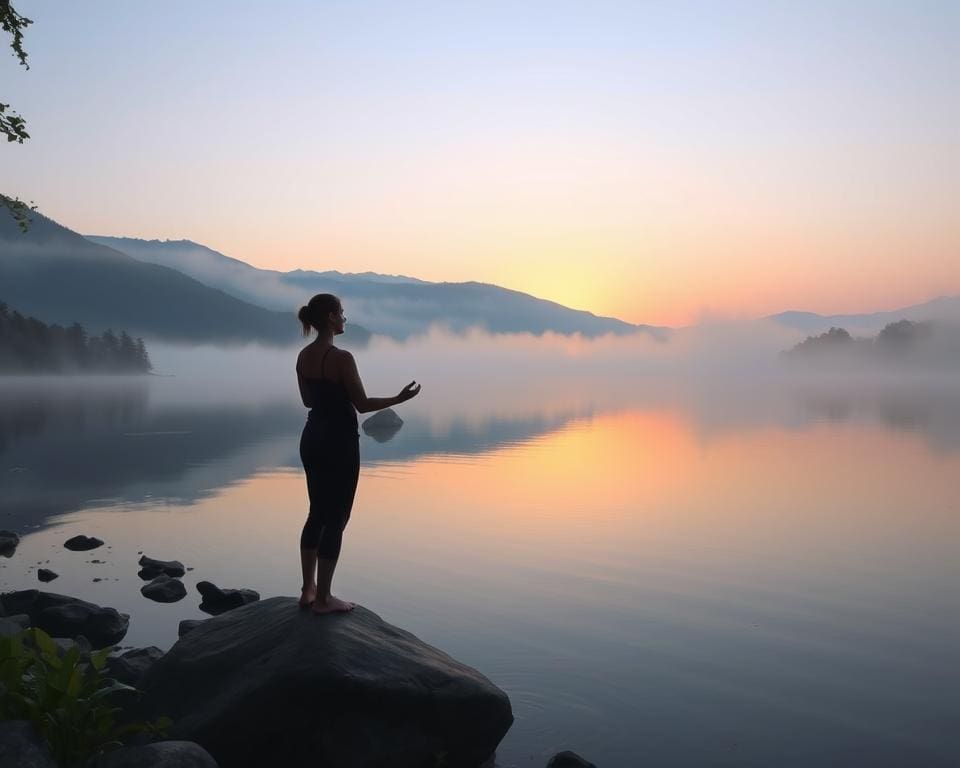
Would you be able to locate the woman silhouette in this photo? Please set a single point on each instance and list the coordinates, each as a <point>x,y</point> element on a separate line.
<point>330,387</point>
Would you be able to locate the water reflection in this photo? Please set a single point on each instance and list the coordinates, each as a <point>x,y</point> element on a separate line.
<point>68,444</point>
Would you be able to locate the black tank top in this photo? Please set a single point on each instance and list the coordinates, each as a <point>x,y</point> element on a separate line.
<point>332,408</point>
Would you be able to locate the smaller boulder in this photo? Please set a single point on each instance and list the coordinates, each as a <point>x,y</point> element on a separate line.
<point>150,568</point>
<point>82,543</point>
<point>22,747</point>
<point>188,625</point>
<point>385,419</point>
<point>383,425</point>
<point>130,666</point>
<point>216,600</point>
<point>569,759</point>
<point>163,589</point>
<point>8,543</point>
<point>102,626</point>
<point>45,574</point>
<point>160,754</point>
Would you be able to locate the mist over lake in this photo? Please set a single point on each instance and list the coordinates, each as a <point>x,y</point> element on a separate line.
<point>676,554</point>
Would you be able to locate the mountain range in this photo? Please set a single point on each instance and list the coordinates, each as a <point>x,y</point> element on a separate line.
<point>391,305</point>
<point>944,309</point>
<point>179,290</point>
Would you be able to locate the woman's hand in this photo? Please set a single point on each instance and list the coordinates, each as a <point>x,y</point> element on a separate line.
<point>411,390</point>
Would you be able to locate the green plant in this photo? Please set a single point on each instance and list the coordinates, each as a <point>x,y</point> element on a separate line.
<point>66,697</point>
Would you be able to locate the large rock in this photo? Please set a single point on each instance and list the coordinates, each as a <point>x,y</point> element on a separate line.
<point>82,543</point>
<point>568,760</point>
<point>268,684</point>
<point>163,589</point>
<point>45,574</point>
<point>130,667</point>
<point>63,616</point>
<point>161,754</point>
<point>216,600</point>
<point>150,568</point>
<point>22,747</point>
<point>8,543</point>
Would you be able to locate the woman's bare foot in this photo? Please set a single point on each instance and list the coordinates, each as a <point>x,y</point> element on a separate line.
<point>307,596</point>
<point>332,605</point>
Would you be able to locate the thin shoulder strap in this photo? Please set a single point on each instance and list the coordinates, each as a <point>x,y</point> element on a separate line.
<point>323,360</point>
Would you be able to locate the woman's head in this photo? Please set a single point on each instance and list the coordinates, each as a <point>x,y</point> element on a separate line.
<point>323,312</point>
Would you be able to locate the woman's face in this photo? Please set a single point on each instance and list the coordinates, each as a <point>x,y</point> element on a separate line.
<point>338,320</point>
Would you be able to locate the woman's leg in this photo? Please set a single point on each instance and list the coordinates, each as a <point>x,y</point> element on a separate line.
<point>331,537</point>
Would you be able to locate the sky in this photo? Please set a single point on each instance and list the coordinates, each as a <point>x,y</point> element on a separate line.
<point>661,162</point>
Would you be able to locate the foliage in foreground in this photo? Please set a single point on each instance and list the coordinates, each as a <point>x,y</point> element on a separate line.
<point>66,698</point>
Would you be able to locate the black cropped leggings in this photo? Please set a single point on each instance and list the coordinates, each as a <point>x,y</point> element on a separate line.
<point>333,469</point>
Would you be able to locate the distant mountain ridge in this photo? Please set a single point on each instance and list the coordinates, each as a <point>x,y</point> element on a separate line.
<point>393,305</point>
<point>61,277</point>
<point>942,308</point>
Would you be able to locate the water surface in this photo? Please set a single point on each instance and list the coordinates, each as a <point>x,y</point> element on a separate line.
<point>662,570</point>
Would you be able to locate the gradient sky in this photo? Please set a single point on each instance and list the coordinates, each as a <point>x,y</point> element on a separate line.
<point>657,161</point>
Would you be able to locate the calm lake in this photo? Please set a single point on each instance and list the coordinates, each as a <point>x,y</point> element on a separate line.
<point>663,568</point>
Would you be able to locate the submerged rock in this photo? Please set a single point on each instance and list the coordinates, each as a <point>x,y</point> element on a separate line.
<point>82,543</point>
<point>63,616</point>
<point>216,601</point>
<point>150,568</point>
<point>163,589</point>
<point>45,574</point>
<point>568,760</point>
<point>8,543</point>
<point>354,690</point>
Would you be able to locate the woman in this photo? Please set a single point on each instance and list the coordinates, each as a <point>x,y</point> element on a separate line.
<point>329,447</point>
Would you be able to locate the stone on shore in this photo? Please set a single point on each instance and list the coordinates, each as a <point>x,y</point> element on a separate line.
<point>160,754</point>
<point>150,568</point>
<point>269,684</point>
<point>130,666</point>
<point>8,543</point>
<point>568,760</point>
<point>22,747</point>
<point>82,543</point>
<point>63,616</point>
<point>163,589</point>
<point>216,600</point>
<point>45,574</point>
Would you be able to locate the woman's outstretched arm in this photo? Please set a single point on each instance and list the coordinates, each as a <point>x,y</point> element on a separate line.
<point>364,404</point>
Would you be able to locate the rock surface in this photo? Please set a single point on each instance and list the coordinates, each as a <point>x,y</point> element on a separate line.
<point>163,589</point>
<point>268,684</point>
<point>568,760</point>
<point>161,754</point>
<point>63,616</point>
<point>216,601</point>
<point>22,747</point>
<point>150,568</point>
<point>188,625</point>
<point>130,667</point>
<point>8,543</point>
<point>45,574</point>
<point>82,543</point>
